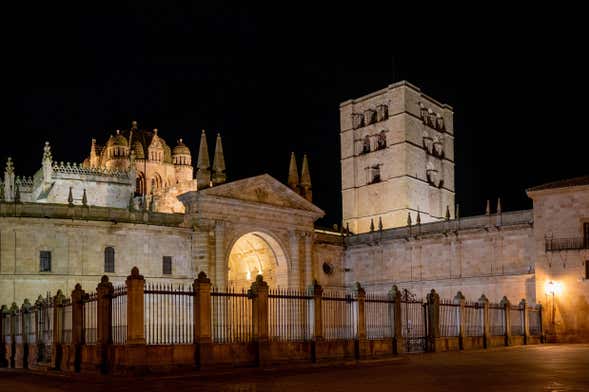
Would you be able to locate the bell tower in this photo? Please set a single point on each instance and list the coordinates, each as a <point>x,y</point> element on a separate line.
<point>397,158</point>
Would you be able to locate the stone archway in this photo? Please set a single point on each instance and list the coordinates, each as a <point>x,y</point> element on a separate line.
<point>257,253</point>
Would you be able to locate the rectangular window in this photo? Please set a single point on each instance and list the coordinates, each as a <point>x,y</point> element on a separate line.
<point>167,265</point>
<point>45,261</point>
<point>586,235</point>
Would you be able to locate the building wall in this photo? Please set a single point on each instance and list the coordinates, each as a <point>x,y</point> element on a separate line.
<point>77,254</point>
<point>404,186</point>
<point>491,255</point>
<point>561,213</point>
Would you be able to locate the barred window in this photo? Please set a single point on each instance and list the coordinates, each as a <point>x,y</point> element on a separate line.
<point>167,265</point>
<point>109,259</point>
<point>45,261</point>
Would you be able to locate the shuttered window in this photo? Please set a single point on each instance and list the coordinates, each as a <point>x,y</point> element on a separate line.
<point>109,259</point>
<point>45,261</point>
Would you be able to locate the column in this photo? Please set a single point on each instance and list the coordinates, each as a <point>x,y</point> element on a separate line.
<point>507,313</point>
<point>484,303</point>
<point>308,259</point>
<point>104,292</point>
<point>201,313</point>
<point>77,326</point>
<point>58,314</point>
<point>259,290</point>
<point>294,270</point>
<point>433,302</point>
<point>220,267</point>
<point>135,307</point>
<point>396,317</point>
<point>460,300</point>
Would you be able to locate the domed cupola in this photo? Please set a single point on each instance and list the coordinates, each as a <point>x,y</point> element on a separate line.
<point>181,154</point>
<point>117,152</point>
<point>138,149</point>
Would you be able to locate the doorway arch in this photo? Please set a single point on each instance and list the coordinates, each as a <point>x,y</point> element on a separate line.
<point>257,253</point>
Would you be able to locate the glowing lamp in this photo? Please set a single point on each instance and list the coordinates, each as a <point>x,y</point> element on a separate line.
<point>553,288</point>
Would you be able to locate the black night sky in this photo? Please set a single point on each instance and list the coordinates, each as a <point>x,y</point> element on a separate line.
<point>270,79</point>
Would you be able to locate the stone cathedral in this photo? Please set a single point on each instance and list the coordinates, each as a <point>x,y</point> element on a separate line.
<point>136,201</point>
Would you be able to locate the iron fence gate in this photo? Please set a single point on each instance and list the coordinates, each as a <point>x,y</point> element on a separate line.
<point>414,323</point>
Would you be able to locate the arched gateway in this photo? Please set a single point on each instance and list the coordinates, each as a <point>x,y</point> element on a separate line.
<point>252,226</point>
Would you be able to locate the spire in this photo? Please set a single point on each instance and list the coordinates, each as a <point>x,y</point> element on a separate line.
<point>9,180</point>
<point>380,223</point>
<point>488,207</point>
<point>418,220</point>
<point>408,219</point>
<point>498,205</point>
<point>371,224</point>
<point>447,212</point>
<point>219,176</point>
<point>293,173</point>
<point>305,183</point>
<point>457,212</point>
<point>84,199</point>
<point>47,157</point>
<point>203,174</point>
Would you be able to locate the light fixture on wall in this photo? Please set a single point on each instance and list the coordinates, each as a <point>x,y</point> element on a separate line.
<point>553,288</point>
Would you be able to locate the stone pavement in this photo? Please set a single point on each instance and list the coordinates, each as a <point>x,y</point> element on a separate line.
<point>522,368</point>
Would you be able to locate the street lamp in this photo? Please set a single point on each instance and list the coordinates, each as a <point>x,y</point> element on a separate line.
<point>553,288</point>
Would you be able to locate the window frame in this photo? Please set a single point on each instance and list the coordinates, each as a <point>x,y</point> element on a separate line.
<point>169,265</point>
<point>44,262</point>
<point>107,262</point>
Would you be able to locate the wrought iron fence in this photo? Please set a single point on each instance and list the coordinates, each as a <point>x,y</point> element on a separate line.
<point>66,321</point>
<point>339,315</point>
<point>535,321</point>
<point>414,324</point>
<point>29,325</point>
<point>289,314</point>
<point>517,320</point>
<point>449,318</point>
<point>168,314</point>
<point>496,319</point>
<point>379,315</point>
<point>16,318</point>
<point>6,328</point>
<point>231,318</point>
<point>45,328</point>
<point>89,317</point>
<point>119,315</point>
<point>473,319</point>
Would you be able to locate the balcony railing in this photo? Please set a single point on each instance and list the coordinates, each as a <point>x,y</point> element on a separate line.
<point>555,244</point>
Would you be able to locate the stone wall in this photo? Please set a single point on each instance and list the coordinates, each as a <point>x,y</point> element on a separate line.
<point>485,254</point>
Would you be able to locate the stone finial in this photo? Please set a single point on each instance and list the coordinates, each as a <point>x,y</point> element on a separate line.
<point>202,278</point>
<point>305,182</point>
<point>409,219</point>
<point>203,173</point>
<point>447,212</point>
<point>433,296</point>
<point>104,279</point>
<point>371,224</point>
<point>85,199</point>
<point>523,302</point>
<point>134,125</point>
<point>499,205</point>
<point>488,207</point>
<point>14,308</point>
<point>4,309</point>
<point>358,289</point>
<point>394,292</point>
<point>152,203</point>
<point>258,284</point>
<point>418,220</point>
<point>70,198</point>
<point>293,173</point>
<point>219,176</point>
<point>459,297</point>
<point>483,299</point>
<point>17,193</point>
<point>40,301</point>
<point>504,301</point>
<point>457,211</point>
<point>47,156</point>
<point>316,288</point>
<point>78,287</point>
<point>380,223</point>
<point>26,306</point>
<point>9,167</point>
<point>135,274</point>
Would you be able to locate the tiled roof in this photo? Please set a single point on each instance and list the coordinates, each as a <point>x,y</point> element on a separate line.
<point>577,181</point>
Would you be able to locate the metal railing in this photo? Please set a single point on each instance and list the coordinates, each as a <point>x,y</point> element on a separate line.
<point>90,318</point>
<point>65,323</point>
<point>231,318</point>
<point>573,243</point>
<point>168,314</point>
<point>289,314</point>
<point>516,314</point>
<point>119,315</point>
<point>496,319</point>
<point>449,318</point>
<point>45,328</point>
<point>535,321</point>
<point>379,314</point>
<point>473,319</point>
<point>339,315</point>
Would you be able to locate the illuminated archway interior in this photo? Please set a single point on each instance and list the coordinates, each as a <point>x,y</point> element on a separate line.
<point>257,253</point>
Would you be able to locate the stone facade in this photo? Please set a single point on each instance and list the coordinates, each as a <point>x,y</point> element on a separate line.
<point>397,156</point>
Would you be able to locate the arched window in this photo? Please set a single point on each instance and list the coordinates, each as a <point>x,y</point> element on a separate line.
<point>382,140</point>
<point>139,184</point>
<point>366,145</point>
<point>109,259</point>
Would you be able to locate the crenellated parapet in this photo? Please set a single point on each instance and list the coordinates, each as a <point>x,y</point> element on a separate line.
<point>72,170</point>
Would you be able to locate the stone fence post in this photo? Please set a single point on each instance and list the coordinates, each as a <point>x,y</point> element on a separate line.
<point>77,325</point>
<point>317,319</point>
<point>397,320</point>
<point>11,345</point>
<point>484,303</point>
<point>202,319</point>
<point>135,307</point>
<point>104,293</point>
<point>507,310</point>
<point>461,301</point>
<point>3,322</point>
<point>259,291</point>
<point>433,307</point>
<point>361,319</point>
<point>525,319</point>
<point>25,328</point>
<point>58,315</point>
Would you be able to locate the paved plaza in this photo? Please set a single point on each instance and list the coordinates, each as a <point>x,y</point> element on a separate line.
<point>523,368</point>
